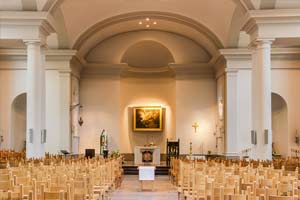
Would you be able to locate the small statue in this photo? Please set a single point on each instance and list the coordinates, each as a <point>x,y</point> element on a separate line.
<point>103,142</point>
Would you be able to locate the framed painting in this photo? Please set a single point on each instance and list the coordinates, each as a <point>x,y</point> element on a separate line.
<point>147,118</point>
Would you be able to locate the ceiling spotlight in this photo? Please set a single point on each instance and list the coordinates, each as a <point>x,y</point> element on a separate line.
<point>154,23</point>
<point>140,23</point>
<point>147,19</point>
<point>147,25</point>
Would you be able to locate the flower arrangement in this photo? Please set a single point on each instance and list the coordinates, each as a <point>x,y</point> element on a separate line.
<point>115,154</point>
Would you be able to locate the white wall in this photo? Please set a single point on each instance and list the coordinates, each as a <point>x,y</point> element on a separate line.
<point>13,83</point>
<point>196,101</point>
<point>100,99</point>
<point>52,112</point>
<point>18,127</point>
<point>280,125</point>
<point>244,110</point>
<point>286,84</point>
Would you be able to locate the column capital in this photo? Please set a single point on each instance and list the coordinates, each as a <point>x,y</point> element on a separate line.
<point>37,42</point>
<point>32,42</point>
<point>260,43</point>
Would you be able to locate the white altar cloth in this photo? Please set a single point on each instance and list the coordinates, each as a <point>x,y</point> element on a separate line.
<point>146,173</point>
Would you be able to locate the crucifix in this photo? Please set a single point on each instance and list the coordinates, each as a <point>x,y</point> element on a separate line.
<point>195,126</point>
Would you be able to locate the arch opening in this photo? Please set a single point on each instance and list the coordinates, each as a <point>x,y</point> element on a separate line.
<point>18,122</point>
<point>279,125</point>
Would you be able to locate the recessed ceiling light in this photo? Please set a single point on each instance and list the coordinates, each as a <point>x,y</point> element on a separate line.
<point>140,23</point>
<point>147,19</point>
<point>154,23</point>
<point>147,25</point>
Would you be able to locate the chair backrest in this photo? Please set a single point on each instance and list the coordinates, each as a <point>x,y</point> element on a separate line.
<point>281,198</point>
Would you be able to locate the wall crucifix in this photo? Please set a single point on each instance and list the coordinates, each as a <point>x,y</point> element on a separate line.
<point>195,126</point>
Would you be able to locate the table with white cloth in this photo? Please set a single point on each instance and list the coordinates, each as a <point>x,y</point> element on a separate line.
<point>146,173</point>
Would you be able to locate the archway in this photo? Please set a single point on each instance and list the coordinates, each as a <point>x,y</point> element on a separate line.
<point>280,125</point>
<point>18,123</point>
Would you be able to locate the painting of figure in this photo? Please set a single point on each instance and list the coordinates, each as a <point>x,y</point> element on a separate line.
<point>147,118</point>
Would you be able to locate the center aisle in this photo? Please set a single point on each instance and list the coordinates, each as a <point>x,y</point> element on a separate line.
<point>129,190</point>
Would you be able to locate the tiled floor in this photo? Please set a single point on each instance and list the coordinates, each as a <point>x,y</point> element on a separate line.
<point>129,190</point>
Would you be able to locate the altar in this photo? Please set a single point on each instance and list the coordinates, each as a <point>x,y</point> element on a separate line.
<point>146,155</point>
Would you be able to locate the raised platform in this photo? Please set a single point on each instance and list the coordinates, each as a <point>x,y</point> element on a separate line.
<point>133,170</point>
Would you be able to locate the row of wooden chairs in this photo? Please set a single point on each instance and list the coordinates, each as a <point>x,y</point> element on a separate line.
<point>218,180</point>
<point>61,178</point>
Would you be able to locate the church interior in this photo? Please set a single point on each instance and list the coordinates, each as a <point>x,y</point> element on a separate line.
<point>149,99</point>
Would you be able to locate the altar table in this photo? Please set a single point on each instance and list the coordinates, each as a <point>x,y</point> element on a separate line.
<point>146,173</point>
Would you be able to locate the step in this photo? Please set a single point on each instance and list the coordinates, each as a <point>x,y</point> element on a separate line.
<point>133,170</point>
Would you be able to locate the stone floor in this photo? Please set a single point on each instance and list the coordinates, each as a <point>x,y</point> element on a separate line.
<point>130,189</point>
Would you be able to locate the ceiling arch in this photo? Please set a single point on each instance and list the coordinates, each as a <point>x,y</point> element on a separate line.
<point>165,22</point>
<point>183,50</point>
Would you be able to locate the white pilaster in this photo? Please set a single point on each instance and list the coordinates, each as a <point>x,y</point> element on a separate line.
<point>35,100</point>
<point>231,112</point>
<point>65,115</point>
<point>75,105</point>
<point>261,98</point>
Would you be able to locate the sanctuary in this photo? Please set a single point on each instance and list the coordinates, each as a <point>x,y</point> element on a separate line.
<point>220,76</point>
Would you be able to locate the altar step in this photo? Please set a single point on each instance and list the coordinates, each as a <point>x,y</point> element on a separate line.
<point>133,170</point>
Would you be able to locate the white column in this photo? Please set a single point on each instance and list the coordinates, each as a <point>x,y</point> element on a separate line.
<point>35,100</point>
<point>261,98</point>
<point>231,112</point>
<point>65,105</point>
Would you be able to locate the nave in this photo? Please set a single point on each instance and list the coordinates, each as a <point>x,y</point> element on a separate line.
<point>130,189</point>
<point>62,178</point>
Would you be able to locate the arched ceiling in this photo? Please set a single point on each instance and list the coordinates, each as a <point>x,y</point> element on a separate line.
<point>216,16</point>
<point>165,22</point>
<point>151,45</point>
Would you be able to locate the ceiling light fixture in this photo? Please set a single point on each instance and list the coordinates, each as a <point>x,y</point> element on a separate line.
<point>140,23</point>
<point>147,19</point>
<point>147,25</point>
<point>154,23</point>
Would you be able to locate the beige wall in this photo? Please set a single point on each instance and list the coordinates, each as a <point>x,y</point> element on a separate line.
<point>147,92</point>
<point>286,84</point>
<point>279,125</point>
<point>107,104</point>
<point>18,120</point>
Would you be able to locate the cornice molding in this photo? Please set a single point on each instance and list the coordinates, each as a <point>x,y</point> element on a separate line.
<point>256,19</point>
<point>193,70</point>
<point>40,24</point>
<point>188,69</point>
<point>244,53</point>
<point>52,56</point>
<point>241,59</point>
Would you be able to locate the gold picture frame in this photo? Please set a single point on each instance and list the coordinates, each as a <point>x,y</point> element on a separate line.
<point>147,118</point>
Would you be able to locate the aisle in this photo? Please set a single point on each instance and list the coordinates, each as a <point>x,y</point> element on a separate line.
<point>129,190</point>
